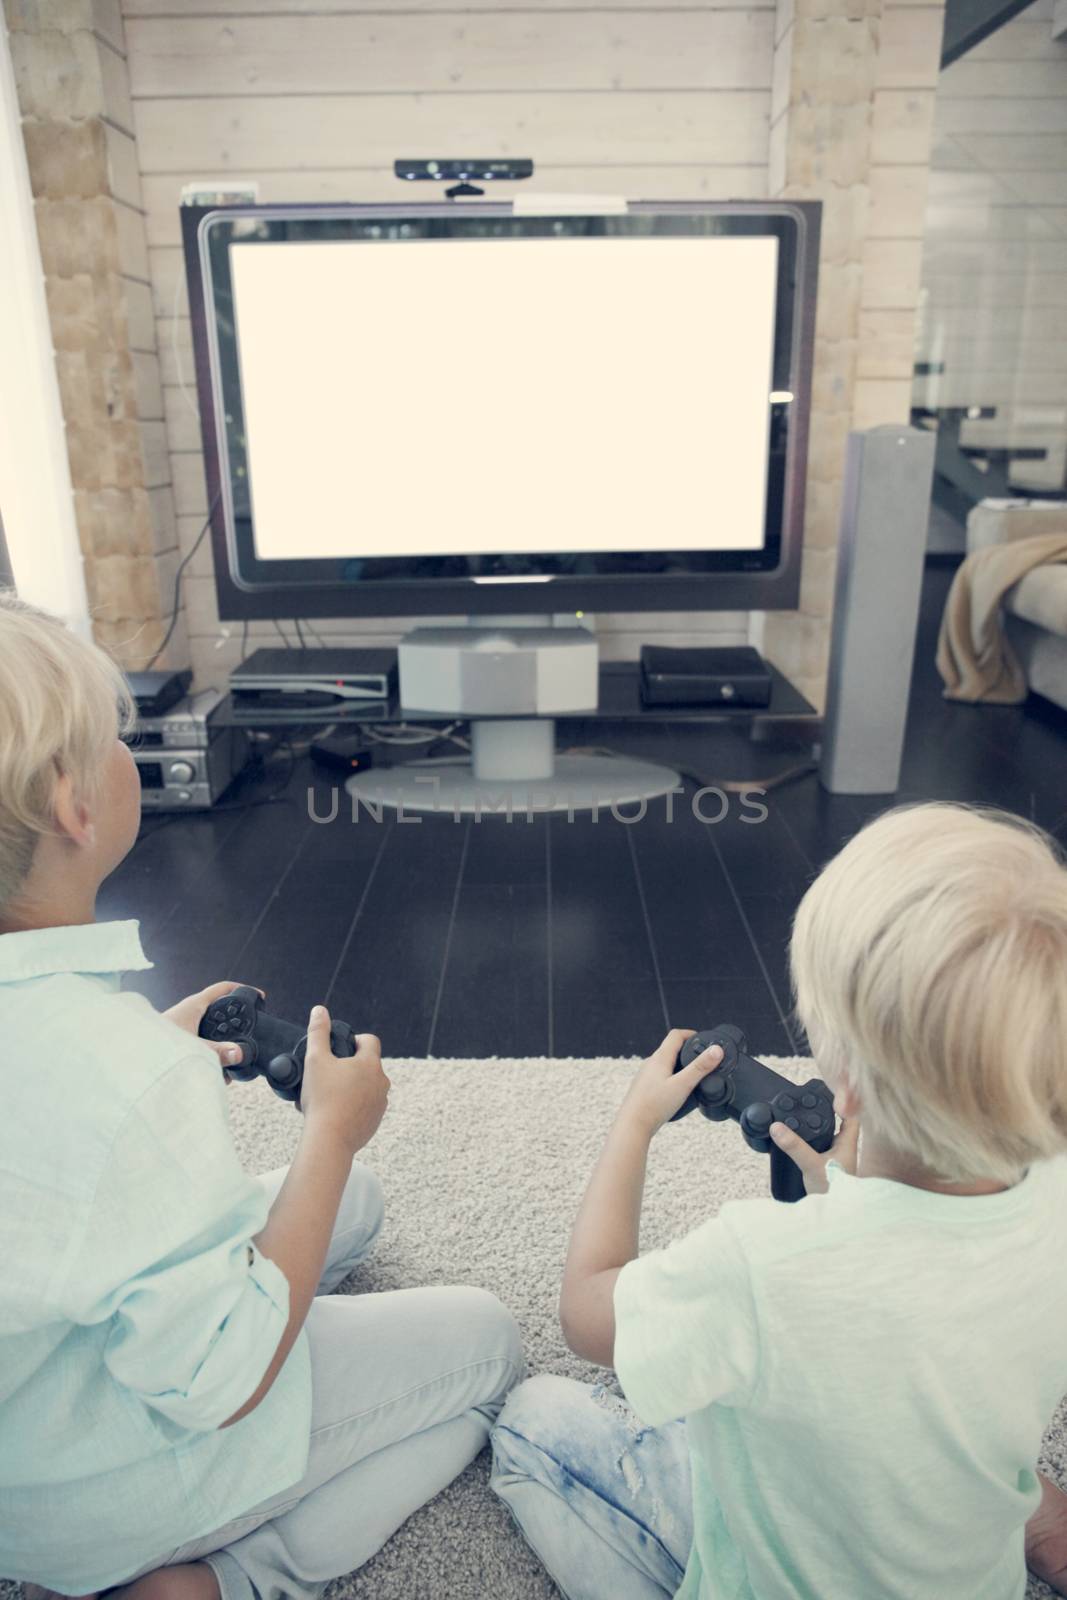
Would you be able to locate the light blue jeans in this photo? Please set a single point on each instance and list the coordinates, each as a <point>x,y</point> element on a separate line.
<point>405,1389</point>
<point>603,1501</point>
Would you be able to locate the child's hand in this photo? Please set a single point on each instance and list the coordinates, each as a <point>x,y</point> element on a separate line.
<point>657,1091</point>
<point>348,1093</point>
<point>189,1014</point>
<point>812,1164</point>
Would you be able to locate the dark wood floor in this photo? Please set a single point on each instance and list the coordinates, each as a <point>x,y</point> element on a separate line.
<point>546,937</point>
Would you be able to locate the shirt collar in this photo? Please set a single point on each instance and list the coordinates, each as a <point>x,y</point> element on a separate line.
<point>88,947</point>
<point>933,1203</point>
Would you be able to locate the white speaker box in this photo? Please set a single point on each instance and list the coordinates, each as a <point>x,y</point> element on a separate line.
<point>486,671</point>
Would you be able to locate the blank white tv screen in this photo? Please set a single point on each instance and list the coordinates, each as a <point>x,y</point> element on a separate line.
<point>482,397</point>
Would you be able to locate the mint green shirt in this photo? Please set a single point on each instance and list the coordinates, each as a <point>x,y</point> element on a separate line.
<point>135,1313</point>
<point>866,1377</point>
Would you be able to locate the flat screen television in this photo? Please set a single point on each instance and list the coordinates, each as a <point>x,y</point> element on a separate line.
<point>469,408</point>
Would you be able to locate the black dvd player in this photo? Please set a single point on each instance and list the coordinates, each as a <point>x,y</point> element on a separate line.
<point>291,678</point>
<point>728,675</point>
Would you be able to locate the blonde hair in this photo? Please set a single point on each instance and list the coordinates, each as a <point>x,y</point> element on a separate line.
<point>63,702</point>
<point>929,963</point>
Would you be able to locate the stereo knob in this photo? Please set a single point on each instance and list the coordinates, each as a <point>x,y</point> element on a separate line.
<point>182,771</point>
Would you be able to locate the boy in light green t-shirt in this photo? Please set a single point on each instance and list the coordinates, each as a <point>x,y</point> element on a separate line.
<point>841,1399</point>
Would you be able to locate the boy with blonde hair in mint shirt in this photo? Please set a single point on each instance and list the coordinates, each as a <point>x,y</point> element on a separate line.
<point>186,1411</point>
<point>841,1399</point>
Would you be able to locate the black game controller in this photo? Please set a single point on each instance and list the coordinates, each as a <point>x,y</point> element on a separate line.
<point>745,1089</point>
<point>270,1047</point>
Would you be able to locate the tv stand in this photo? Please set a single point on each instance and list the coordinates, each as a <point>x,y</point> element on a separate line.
<point>508,678</point>
<point>513,768</point>
<point>733,748</point>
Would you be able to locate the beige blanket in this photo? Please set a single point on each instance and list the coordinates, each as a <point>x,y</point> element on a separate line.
<point>973,654</point>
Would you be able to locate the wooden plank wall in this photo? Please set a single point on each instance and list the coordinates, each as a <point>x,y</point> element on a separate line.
<point>315,100</point>
<point>994,303</point>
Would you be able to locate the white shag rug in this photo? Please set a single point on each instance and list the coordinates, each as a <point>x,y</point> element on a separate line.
<point>483,1165</point>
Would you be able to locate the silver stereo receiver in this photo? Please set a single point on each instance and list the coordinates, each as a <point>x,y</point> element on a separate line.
<point>184,758</point>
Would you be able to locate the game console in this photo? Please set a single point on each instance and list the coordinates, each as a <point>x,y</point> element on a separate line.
<point>754,1096</point>
<point>184,757</point>
<point>271,1047</point>
<point>728,675</point>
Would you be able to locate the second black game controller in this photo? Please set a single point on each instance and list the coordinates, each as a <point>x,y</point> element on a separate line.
<point>270,1047</point>
<point>755,1096</point>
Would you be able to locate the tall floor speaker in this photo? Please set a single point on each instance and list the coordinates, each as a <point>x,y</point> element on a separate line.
<point>884,517</point>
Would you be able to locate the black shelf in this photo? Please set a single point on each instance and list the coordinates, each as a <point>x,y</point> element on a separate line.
<point>619,702</point>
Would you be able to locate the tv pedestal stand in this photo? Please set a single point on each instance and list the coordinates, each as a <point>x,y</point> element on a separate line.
<point>508,678</point>
<point>514,769</point>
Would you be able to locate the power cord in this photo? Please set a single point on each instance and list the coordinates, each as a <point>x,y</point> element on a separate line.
<point>704,780</point>
<point>315,634</point>
<point>411,734</point>
<point>197,542</point>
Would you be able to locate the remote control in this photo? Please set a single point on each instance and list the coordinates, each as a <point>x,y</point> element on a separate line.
<point>271,1047</point>
<point>755,1096</point>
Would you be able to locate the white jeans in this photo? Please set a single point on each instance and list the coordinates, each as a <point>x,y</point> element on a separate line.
<point>405,1389</point>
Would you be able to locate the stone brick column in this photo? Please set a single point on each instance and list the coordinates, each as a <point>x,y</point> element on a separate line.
<point>852,111</point>
<point>73,87</point>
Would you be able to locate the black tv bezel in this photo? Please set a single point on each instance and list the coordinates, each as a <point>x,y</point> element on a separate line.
<point>767,579</point>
